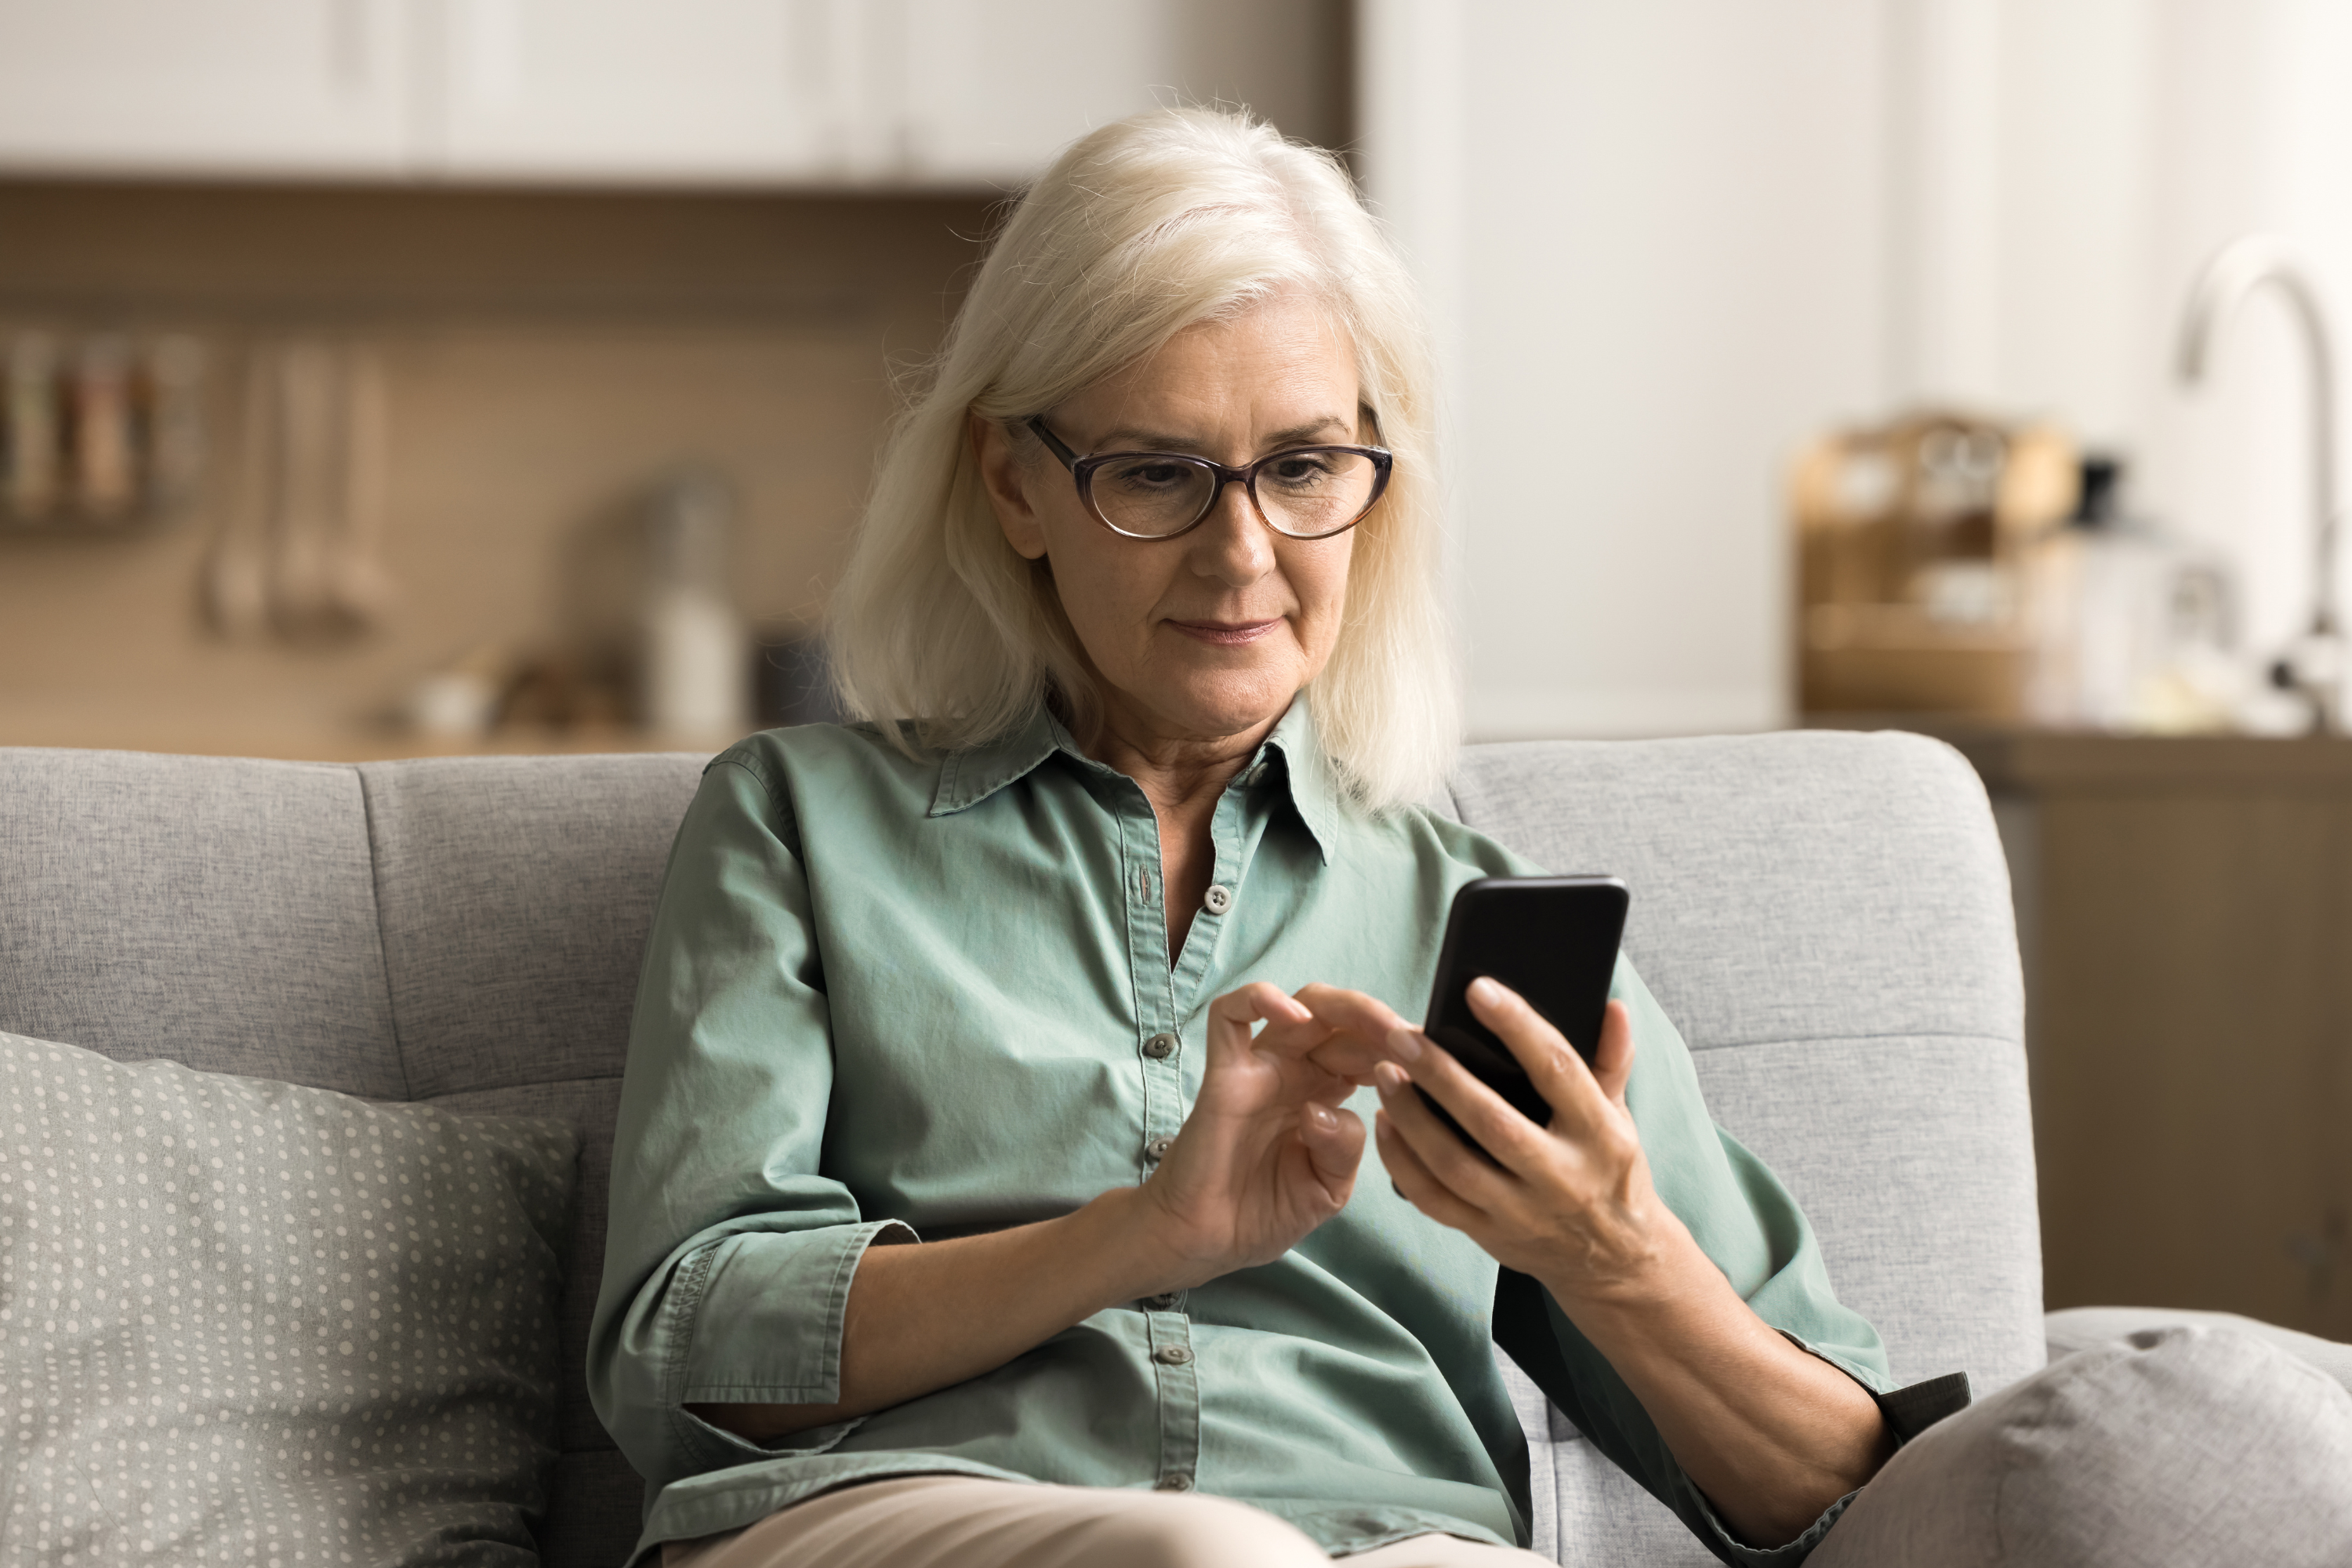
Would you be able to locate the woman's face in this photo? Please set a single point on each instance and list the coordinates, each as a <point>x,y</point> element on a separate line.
<point>1213,632</point>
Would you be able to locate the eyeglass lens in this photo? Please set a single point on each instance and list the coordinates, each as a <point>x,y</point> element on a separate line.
<point>1315,490</point>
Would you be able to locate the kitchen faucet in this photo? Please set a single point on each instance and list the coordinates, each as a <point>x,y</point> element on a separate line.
<point>2313,666</point>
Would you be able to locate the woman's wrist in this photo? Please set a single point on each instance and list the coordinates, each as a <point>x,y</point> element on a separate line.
<point>1126,1233</point>
<point>1642,1286</point>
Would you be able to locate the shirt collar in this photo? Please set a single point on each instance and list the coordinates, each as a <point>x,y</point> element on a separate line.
<point>1291,751</point>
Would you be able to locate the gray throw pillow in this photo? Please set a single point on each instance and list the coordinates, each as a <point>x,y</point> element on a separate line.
<point>2188,1446</point>
<point>246,1321</point>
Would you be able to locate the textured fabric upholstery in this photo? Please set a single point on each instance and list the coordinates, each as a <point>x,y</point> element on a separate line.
<point>2087,1328</point>
<point>2192,1446</point>
<point>269,1322</point>
<point>464,931</point>
<point>226,908</point>
<point>516,894</point>
<point>1825,915</point>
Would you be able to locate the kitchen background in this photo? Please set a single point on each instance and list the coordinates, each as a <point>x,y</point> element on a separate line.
<point>398,376</point>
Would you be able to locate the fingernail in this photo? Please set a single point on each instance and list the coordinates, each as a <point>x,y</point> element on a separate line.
<point>1388,1078</point>
<point>1323,1118</point>
<point>1405,1043</point>
<point>1484,990</point>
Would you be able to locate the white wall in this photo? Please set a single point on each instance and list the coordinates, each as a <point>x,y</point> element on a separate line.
<point>2137,138</point>
<point>1653,243</point>
<point>1665,241</point>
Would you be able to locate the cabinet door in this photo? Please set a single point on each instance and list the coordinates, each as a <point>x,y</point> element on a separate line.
<point>230,87</point>
<point>689,91</point>
<point>996,87</point>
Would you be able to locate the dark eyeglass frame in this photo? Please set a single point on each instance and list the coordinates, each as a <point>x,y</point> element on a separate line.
<point>1082,470</point>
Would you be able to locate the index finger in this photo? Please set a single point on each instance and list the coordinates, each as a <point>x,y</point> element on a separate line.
<point>1360,1030</point>
<point>1238,1010</point>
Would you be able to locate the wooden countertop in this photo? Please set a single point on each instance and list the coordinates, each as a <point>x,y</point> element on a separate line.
<point>2015,758</point>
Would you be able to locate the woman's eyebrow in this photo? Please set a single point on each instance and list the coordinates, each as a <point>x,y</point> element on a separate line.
<point>1130,439</point>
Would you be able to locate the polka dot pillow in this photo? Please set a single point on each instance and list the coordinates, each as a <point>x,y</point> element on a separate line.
<point>245,1321</point>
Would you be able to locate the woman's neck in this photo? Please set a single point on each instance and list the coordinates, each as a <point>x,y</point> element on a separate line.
<point>1182,778</point>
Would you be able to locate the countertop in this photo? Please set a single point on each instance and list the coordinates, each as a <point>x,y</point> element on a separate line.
<point>2023,759</point>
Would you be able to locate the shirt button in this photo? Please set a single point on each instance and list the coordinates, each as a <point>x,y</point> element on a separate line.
<point>1171,1355</point>
<point>1161,1303</point>
<point>1175,1483</point>
<point>1157,1150</point>
<point>1159,1048</point>
<point>1219,899</point>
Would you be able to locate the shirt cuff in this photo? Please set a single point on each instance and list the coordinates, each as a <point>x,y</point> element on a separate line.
<point>759,1313</point>
<point>1907,1412</point>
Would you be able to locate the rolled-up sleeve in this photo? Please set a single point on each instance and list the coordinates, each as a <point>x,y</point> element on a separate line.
<point>728,1254</point>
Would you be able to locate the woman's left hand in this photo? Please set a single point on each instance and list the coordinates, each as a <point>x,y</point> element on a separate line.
<point>1772,1433</point>
<point>1570,1204</point>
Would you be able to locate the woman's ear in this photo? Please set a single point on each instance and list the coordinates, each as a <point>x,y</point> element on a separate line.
<point>1006,478</point>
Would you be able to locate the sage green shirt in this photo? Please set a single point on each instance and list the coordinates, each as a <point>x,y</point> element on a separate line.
<point>935,995</point>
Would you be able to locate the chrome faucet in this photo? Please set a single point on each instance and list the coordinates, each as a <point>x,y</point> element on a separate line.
<point>2313,666</point>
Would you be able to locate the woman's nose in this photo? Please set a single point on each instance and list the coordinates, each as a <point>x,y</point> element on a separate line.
<point>1235,543</point>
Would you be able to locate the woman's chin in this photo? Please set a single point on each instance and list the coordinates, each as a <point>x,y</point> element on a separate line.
<point>1222,709</point>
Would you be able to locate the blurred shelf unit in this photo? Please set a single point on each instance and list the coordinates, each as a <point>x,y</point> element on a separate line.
<point>840,94</point>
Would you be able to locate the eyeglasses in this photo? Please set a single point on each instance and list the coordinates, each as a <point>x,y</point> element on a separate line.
<point>1304,492</point>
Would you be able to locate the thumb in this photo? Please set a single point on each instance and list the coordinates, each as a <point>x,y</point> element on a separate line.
<point>1334,1142</point>
<point>1612,1059</point>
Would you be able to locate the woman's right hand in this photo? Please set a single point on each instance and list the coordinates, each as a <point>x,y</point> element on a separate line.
<point>1270,1151</point>
<point>1268,1154</point>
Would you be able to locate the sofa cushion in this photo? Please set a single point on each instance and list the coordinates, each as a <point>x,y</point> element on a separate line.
<point>2191,1446</point>
<point>516,895</point>
<point>218,911</point>
<point>2086,1328</point>
<point>246,1320</point>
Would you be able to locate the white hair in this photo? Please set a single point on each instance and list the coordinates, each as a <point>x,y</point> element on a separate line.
<point>943,631</point>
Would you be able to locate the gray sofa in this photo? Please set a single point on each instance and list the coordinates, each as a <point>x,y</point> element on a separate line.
<point>1826,915</point>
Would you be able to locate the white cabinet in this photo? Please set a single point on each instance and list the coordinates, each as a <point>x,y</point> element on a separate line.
<point>854,91</point>
<point>277,87</point>
<point>625,89</point>
<point>996,87</point>
<point>759,92</point>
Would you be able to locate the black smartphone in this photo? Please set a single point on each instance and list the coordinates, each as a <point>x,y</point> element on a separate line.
<point>1554,941</point>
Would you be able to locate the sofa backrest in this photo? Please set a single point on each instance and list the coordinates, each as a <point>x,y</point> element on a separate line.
<point>1825,915</point>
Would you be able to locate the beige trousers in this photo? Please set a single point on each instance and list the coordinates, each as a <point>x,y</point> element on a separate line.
<point>964,1522</point>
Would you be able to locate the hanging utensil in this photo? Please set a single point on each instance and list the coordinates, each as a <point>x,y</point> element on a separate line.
<point>234,585</point>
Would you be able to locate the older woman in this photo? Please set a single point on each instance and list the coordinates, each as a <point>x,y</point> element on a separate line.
<point>994,1137</point>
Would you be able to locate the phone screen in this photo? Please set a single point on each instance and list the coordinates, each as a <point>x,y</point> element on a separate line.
<point>1554,941</point>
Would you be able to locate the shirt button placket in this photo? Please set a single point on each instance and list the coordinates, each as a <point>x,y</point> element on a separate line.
<point>1179,1400</point>
<point>1163,1096</point>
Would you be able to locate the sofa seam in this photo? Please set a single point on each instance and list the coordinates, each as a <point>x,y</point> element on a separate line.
<point>382,954</point>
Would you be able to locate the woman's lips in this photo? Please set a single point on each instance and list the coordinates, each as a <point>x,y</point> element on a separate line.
<point>1227,634</point>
